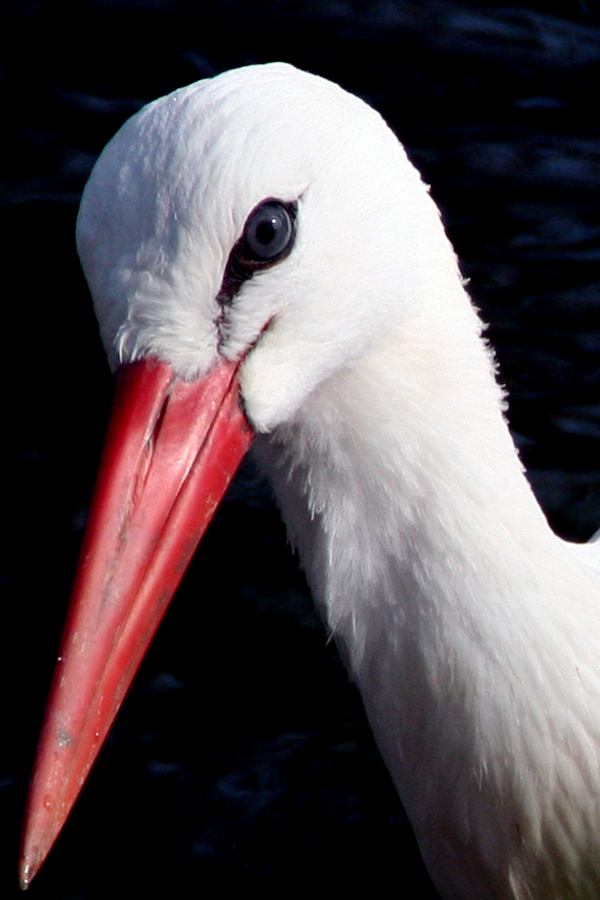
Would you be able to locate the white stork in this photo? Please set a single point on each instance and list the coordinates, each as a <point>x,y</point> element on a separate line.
<point>265,262</point>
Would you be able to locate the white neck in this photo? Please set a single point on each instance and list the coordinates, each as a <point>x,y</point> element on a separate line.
<point>441,580</point>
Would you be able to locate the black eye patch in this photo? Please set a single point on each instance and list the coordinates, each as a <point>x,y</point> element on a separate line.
<point>268,237</point>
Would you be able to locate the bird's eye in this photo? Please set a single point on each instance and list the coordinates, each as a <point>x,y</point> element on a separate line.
<point>268,237</point>
<point>269,232</point>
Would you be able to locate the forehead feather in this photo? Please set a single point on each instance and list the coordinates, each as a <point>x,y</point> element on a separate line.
<point>236,137</point>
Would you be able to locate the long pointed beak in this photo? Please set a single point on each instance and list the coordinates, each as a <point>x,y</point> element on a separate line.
<point>171,449</point>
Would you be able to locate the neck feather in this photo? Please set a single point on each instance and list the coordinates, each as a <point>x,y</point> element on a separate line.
<point>450,597</point>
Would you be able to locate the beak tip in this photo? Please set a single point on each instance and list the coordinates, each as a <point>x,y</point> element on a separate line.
<point>34,852</point>
<point>27,871</point>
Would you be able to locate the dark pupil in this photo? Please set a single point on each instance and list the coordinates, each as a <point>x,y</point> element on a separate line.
<point>266,231</point>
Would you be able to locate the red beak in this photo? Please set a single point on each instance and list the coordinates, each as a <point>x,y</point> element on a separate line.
<point>171,450</point>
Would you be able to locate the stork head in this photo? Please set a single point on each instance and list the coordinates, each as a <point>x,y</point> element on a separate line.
<point>265,214</point>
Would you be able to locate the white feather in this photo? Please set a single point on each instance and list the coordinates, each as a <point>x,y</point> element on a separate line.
<point>472,630</point>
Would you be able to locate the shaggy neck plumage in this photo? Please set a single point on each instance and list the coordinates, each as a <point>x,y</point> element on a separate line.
<point>438,575</point>
<point>402,462</point>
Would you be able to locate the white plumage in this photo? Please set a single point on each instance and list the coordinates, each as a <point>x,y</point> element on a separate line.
<point>471,629</point>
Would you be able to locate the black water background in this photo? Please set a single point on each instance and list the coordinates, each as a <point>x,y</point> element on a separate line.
<point>242,759</point>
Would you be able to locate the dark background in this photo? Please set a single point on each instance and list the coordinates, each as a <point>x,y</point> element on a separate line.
<point>241,759</point>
